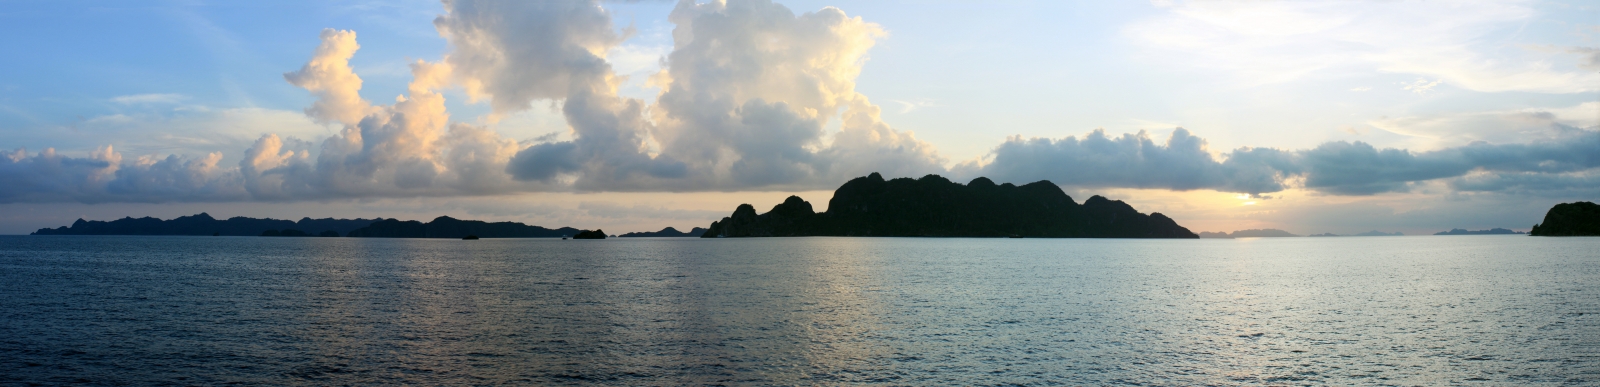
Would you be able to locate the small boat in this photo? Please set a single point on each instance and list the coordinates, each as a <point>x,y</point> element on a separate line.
<point>470,238</point>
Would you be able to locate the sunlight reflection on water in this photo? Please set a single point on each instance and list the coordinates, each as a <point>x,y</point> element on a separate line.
<point>1489,310</point>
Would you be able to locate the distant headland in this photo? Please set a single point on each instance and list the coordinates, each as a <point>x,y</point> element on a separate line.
<point>933,206</point>
<point>1570,219</point>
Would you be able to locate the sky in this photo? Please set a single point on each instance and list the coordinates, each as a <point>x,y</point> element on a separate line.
<point>1307,116</point>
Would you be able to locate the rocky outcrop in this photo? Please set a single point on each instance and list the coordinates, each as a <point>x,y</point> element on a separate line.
<point>448,227</point>
<point>1570,219</point>
<point>936,207</point>
<point>586,234</point>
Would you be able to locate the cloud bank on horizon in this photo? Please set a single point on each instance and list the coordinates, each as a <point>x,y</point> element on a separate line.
<point>756,97</point>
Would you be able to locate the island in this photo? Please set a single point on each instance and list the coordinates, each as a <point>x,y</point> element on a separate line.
<point>1251,233</point>
<point>666,232</point>
<point>586,234</point>
<point>934,206</point>
<point>204,224</point>
<point>1570,219</point>
<point>1380,233</point>
<point>448,227</point>
<point>1492,231</point>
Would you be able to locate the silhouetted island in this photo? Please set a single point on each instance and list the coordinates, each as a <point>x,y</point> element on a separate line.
<point>1492,231</point>
<point>1570,219</point>
<point>936,207</point>
<point>666,232</point>
<point>448,227</point>
<point>204,224</point>
<point>586,234</point>
<point>1380,233</point>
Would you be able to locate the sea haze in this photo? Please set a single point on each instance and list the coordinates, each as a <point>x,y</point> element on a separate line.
<point>1415,310</point>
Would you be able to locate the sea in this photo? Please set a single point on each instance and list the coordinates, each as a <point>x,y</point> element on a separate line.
<point>1489,310</point>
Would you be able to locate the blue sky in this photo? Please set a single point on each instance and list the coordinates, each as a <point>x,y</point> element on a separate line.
<point>1408,116</point>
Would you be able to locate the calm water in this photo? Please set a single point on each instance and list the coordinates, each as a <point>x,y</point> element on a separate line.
<point>1487,310</point>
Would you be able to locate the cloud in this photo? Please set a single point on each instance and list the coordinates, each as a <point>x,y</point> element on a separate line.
<point>1436,130</point>
<point>1337,168</point>
<point>1421,86</point>
<point>909,106</point>
<point>750,87</point>
<point>748,95</point>
<point>409,148</point>
<point>1589,57</point>
<point>1134,161</point>
<point>1580,184</point>
<point>138,99</point>
<point>104,176</point>
<point>330,77</point>
<point>514,53</point>
<point>1361,89</point>
<point>1460,43</point>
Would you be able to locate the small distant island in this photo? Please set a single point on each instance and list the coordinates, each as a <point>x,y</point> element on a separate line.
<point>1570,219</point>
<point>1251,233</point>
<point>668,232</point>
<point>1380,233</point>
<point>933,206</point>
<point>586,234</point>
<point>1492,231</point>
<point>1275,233</point>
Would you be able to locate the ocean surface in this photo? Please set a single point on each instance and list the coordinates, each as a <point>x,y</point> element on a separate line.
<point>1422,310</point>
